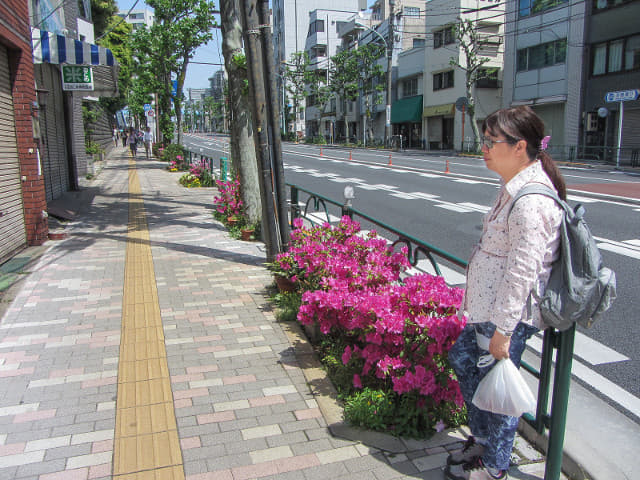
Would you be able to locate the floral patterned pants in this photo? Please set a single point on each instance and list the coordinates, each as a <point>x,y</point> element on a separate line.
<point>499,430</point>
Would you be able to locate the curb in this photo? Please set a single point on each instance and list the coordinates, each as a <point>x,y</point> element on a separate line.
<point>326,396</point>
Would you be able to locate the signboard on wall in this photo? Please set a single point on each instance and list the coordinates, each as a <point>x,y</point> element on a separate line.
<point>77,77</point>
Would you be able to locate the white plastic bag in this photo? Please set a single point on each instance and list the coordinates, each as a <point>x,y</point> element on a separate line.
<point>503,390</point>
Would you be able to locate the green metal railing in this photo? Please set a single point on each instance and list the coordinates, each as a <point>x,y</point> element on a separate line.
<point>225,164</point>
<point>552,417</point>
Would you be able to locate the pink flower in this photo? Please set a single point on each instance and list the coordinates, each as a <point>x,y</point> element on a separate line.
<point>357,383</point>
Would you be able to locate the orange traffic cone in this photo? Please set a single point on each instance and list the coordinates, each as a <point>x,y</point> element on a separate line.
<point>390,164</point>
<point>320,151</point>
<point>350,157</point>
<point>447,170</point>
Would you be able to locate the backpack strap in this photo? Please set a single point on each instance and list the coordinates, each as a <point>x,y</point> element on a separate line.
<point>539,189</point>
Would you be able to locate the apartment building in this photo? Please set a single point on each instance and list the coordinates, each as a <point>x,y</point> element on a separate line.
<point>443,125</point>
<point>612,64</point>
<point>290,20</point>
<point>543,63</point>
<point>138,18</point>
<point>322,42</point>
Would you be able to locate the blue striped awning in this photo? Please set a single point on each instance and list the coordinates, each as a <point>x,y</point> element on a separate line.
<point>50,47</point>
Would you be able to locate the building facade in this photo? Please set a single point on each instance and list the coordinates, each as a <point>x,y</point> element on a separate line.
<point>543,63</point>
<point>143,17</point>
<point>290,20</point>
<point>444,125</point>
<point>55,40</point>
<point>612,64</point>
<point>22,195</point>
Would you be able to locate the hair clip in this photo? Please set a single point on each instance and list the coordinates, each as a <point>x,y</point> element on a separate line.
<point>544,143</point>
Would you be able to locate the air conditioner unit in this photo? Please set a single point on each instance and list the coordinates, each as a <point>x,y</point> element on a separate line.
<point>592,122</point>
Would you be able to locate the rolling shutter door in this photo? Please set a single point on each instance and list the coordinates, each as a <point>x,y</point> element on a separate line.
<point>12,225</point>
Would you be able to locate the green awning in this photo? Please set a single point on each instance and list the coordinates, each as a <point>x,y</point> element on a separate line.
<point>435,110</point>
<point>407,110</point>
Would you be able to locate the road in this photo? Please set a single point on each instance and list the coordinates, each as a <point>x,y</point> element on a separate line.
<point>414,193</point>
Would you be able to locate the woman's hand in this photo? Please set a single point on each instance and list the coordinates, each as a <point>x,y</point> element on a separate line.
<point>499,346</point>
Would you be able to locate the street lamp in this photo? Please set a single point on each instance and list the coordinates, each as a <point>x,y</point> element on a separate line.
<point>389,46</point>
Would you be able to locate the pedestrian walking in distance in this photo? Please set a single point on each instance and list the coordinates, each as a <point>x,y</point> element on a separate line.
<point>132,141</point>
<point>148,141</point>
<point>507,271</point>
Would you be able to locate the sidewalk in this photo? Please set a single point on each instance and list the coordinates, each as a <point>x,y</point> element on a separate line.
<point>144,346</point>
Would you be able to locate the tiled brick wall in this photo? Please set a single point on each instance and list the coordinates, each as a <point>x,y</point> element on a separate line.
<point>15,35</point>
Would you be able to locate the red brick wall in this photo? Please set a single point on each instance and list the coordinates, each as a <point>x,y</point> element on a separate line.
<point>15,35</point>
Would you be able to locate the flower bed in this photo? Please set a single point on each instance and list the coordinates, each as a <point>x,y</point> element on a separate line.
<point>384,341</point>
<point>198,176</point>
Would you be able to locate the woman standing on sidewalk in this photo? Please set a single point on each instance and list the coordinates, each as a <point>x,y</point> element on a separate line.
<point>511,261</point>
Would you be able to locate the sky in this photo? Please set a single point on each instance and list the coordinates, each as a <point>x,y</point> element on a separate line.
<point>197,75</point>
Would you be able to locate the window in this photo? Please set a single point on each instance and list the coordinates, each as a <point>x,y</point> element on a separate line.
<point>412,11</point>
<point>445,36</point>
<point>443,80</point>
<point>543,55</point>
<point>315,27</point>
<point>488,78</point>
<point>318,51</point>
<point>410,87</point>
<point>600,5</point>
<point>531,7</point>
<point>632,53</point>
<point>615,55</point>
<point>418,42</point>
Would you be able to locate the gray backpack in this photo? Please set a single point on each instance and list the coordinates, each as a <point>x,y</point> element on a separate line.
<point>580,288</point>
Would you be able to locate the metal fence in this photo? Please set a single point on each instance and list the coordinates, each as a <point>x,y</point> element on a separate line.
<point>553,383</point>
<point>579,154</point>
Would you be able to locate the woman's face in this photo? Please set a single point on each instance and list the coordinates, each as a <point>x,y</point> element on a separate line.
<point>501,157</point>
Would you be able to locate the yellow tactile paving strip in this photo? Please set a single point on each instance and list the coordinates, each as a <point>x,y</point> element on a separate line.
<point>146,437</point>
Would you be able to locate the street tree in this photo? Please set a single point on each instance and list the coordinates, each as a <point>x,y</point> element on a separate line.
<point>102,12</point>
<point>343,79</point>
<point>371,78</point>
<point>242,146</point>
<point>471,61</point>
<point>118,40</point>
<point>294,75</point>
<point>181,26</point>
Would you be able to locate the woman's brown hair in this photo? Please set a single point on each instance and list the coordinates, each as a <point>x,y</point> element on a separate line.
<point>522,123</point>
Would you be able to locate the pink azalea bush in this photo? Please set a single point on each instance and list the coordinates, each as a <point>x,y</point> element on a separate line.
<point>228,202</point>
<point>390,334</point>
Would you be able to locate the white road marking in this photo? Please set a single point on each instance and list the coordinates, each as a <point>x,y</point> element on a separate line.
<point>414,195</point>
<point>475,206</point>
<point>579,199</point>
<point>357,181</point>
<point>454,208</point>
<point>465,180</point>
<point>629,248</point>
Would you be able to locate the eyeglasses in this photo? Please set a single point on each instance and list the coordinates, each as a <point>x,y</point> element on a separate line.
<point>489,143</point>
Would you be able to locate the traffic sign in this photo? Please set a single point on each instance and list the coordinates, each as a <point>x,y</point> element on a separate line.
<point>147,107</point>
<point>622,95</point>
<point>150,113</point>
<point>461,103</point>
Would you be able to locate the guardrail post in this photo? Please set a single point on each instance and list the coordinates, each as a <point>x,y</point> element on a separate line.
<point>295,209</point>
<point>561,383</point>
<point>223,169</point>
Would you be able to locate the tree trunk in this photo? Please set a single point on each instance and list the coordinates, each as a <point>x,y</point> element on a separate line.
<point>242,148</point>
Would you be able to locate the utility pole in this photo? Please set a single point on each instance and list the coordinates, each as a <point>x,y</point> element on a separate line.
<point>390,42</point>
<point>262,90</point>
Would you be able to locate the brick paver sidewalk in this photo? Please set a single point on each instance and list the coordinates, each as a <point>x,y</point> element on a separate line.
<point>242,404</point>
